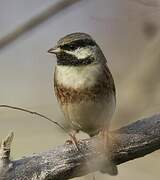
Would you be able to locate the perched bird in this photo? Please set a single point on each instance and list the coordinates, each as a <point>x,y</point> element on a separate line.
<point>84,87</point>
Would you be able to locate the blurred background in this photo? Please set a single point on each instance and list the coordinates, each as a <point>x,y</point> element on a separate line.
<point>128,33</point>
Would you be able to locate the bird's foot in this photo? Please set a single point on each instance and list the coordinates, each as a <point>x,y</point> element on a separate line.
<point>73,140</point>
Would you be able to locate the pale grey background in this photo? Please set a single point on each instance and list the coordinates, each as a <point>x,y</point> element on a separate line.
<point>26,70</point>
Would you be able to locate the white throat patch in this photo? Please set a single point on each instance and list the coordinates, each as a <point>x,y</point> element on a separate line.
<point>78,76</point>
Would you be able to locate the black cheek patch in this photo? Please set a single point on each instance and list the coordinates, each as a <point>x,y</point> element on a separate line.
<point>68,59</point>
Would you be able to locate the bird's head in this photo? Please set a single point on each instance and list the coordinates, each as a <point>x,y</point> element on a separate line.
<point>77,49</point>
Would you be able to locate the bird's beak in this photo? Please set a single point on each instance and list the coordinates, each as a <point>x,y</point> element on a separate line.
<point>54,50</point>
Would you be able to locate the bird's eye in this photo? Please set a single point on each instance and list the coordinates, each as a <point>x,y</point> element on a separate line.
<point>72,47</point>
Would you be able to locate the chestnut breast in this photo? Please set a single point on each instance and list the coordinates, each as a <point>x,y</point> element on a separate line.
<point>74,84</point>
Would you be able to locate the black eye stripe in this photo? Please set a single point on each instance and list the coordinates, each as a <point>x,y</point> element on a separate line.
<point>74,45</point>
<point>69,47</point>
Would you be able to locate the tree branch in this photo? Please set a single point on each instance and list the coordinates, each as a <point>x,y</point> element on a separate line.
<point>65,162</point>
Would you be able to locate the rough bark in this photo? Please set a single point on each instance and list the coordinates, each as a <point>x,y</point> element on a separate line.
<point>65,162</point>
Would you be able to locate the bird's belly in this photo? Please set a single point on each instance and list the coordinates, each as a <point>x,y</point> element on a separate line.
<point>89,116</point>
<point>86,96</point>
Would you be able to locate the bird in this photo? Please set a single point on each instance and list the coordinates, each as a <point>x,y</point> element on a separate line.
<point>84,88</point>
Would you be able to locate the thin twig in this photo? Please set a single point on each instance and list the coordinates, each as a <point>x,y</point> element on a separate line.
<point>35,113</point>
